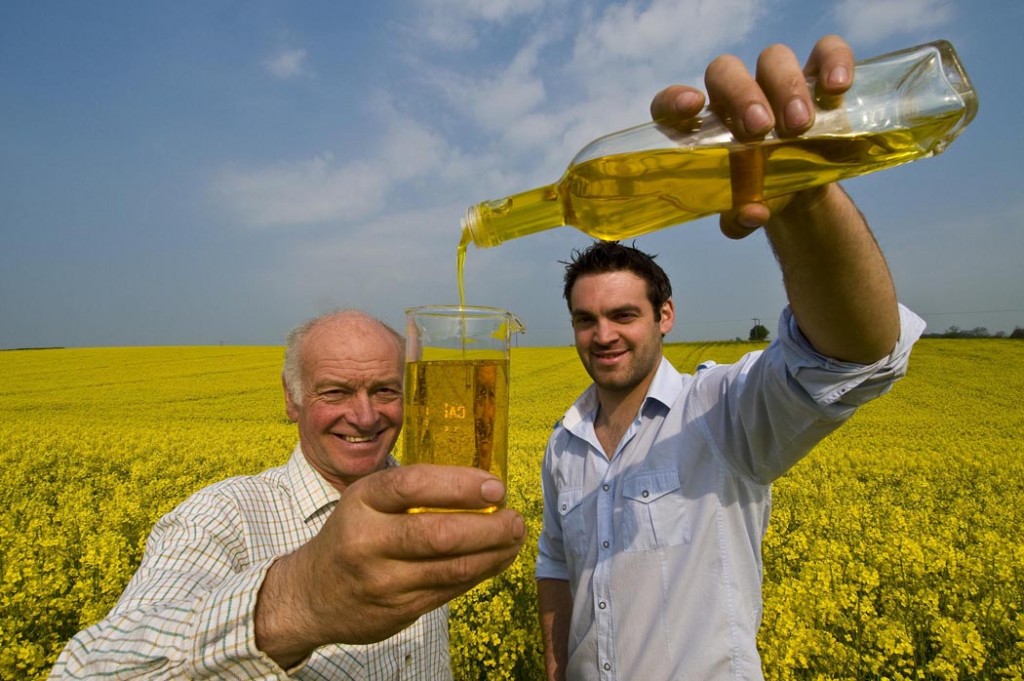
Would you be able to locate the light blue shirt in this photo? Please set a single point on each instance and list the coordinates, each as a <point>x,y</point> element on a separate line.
<point>661,542</point>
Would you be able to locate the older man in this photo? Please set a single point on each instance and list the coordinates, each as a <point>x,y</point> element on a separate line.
<point>312,569</point>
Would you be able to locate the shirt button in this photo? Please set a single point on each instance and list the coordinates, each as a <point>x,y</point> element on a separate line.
<point>605,544</point>
<point>565,506</point>
<point>607,667</point>
<point>645,494</point>
<point>605,487</point>
<point>602,605</point>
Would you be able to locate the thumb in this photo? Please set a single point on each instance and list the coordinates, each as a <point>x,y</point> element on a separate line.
<point>396,490</point>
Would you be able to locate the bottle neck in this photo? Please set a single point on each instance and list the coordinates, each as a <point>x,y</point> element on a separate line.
<point>493,222</point>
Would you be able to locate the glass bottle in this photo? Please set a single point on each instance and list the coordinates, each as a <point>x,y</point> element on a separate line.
<point>901,107</point>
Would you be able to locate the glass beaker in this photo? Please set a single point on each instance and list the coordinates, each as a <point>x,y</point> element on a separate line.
<point>456,386</point>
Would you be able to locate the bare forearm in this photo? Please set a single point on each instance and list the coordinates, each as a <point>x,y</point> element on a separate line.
<point>555,605</point>
<point>281,626</point>
<point>295,616</point>
<point>836,277</point>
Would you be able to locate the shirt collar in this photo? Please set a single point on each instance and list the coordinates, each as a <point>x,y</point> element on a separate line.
<point>665,388</point>
<point>312,493</point>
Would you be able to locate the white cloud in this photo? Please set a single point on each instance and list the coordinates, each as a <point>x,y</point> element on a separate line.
<point>287,63</point>
<point>507,96</point>
<point>636,46</point>
<point>511,104</point>
<point>572,84</point>
<point>552,76</point>
<point>871,21</point>
<point>455,24</point>
<point>500,10</point>
<point>648,31</point>
<point>410,150</point>
<point>325,189</point>
<point>301,192</point>
<point>581,75</point>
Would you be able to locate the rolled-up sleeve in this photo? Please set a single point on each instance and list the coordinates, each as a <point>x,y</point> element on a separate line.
<point>768,410</point>
<point>830,382</point>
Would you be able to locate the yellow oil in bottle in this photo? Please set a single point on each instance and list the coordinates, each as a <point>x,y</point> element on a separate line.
<point>626,195</point>
<point>457,415</point>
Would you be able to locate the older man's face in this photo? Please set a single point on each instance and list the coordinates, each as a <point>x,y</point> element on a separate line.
<point>351,411</point>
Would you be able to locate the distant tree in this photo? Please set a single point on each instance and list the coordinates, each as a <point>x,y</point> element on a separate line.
<point>758,333</point>
<point>976,332</point>
<point>957,332</point>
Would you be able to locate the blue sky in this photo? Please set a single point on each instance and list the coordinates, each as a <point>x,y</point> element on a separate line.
<point>192,173</point>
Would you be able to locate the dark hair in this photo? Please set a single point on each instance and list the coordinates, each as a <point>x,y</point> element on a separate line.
<point>611,256</point>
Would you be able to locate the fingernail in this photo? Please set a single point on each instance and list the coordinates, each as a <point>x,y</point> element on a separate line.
<point>748,222</point>
<point>838,76</point>
<point>492,491</point>
<point>687,101</point>
<point>756,119</point>
<point>518,528</point>
<point>797,115</point>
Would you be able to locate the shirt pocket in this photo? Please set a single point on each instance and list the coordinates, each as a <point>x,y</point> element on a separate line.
<point>570,512</point>
<point>654,511</point>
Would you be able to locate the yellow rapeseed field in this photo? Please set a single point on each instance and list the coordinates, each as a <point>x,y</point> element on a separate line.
<point>896,550</point>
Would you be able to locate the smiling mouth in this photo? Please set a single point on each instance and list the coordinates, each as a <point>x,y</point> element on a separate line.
<point>608,356</point>
<point>355,439</point>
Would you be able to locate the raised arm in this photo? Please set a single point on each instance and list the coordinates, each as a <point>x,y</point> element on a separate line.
<point>836,278</point>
